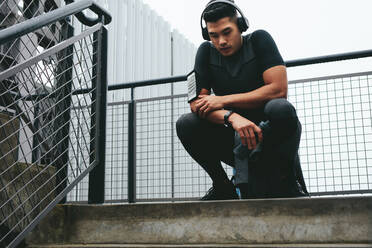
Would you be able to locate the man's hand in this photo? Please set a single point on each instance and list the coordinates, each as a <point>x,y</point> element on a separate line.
<point>206,104</point>
<point>193,106</point>
<point>246,130</point>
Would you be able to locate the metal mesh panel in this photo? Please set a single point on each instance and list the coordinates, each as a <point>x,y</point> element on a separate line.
<point>116,172</point>
<point>336,144</point>
<point>45,131</point>
<point>27,46</point>
<point>153,149</point>
<point>16,11</point>
<point>116,167</point>
<point>116,164</point>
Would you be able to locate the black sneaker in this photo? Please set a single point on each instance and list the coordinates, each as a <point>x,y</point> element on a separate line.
<point>228,193</point>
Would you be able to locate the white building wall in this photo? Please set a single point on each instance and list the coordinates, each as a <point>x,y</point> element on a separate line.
<point>140,48</point>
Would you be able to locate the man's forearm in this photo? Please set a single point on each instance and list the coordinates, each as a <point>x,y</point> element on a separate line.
<point>249,100</point>
<point>217,116</point>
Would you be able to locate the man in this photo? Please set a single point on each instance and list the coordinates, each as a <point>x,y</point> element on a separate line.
<point>248,77</point>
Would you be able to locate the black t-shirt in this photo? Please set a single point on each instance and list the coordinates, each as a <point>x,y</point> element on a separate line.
<point>239,73</point>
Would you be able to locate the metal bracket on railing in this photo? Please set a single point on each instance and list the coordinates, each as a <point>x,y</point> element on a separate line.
<point>89,21</point>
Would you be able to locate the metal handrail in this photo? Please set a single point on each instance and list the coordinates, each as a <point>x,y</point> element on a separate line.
<point>290,63</point>
<point>40,21</point>
<point>150,82</point>
<point>89,21</point>
<point>329,58</point>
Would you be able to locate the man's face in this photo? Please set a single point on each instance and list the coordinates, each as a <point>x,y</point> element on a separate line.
<point>225,35</point>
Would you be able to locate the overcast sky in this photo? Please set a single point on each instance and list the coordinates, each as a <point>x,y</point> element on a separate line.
<point>300,28</point>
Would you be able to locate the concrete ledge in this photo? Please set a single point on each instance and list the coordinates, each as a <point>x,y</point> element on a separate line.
<point>206,246</point>
<point>326,221</point>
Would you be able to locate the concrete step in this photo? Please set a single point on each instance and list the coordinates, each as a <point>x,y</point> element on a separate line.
<point>206,246</point>
<point>240,223</point>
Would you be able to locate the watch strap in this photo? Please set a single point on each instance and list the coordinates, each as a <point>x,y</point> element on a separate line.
<point>226,118</point>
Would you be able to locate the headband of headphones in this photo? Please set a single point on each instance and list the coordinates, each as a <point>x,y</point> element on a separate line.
<point>243,23</point>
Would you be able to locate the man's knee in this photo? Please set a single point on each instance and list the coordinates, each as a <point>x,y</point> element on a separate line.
<point>187,124</point>
<point>280,109</point>
<point>282,116</point>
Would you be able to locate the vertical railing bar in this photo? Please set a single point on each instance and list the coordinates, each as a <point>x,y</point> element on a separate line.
<point>92,181</point>
<point>96,191</point>
<point>66,103</point>
<point>172,117</point>
<point>172,139</point>
<point>102,114</point>
<point>131,150</point>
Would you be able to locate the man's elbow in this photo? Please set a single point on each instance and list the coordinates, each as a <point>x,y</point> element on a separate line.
<point>279,92</point>
<point>283,93</point>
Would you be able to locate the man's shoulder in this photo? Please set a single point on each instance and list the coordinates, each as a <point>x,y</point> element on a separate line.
<point>207,53</point>
<point>205,45</point>
<point>262,41</point>
<point>204,50</point>
<point>258,35</point>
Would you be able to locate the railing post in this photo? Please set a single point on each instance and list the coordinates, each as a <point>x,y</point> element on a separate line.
<point>96,192</point>
<point>63,101</point>
<point>172,116</point>
<point>132,150</point>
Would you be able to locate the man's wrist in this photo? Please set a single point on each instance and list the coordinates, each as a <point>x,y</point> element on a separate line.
<point>224,101</point>
<point>232,118</point>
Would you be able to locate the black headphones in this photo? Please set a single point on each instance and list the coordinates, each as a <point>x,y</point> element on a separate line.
<point>243,23</point>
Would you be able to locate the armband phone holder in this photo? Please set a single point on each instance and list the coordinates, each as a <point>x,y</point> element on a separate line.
<point>192,93</point>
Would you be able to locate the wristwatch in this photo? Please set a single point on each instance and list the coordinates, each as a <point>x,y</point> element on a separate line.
<point>226,118</point>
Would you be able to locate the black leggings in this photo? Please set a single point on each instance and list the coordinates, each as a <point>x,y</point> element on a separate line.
<point>209,144</point>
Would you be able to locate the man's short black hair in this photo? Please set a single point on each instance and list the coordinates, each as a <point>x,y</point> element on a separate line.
<point>219,10</point>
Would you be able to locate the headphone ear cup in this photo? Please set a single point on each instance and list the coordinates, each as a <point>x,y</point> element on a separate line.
<point>242,25</point>
<point>205,34</point>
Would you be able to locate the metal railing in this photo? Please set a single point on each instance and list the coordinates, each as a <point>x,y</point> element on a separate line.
<point>53,127</point>
<point>45,126</point>
<point>146,162</point>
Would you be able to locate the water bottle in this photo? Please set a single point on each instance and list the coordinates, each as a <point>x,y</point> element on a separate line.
<point>254,155</point>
